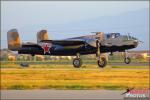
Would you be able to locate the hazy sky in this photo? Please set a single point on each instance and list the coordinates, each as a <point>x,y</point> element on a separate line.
<point>42,14</point>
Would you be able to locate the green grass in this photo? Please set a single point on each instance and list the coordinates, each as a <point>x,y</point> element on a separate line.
<point>131,67</point>
<point>66,64</point>
<point>65,61</point>
<point>19,87</point>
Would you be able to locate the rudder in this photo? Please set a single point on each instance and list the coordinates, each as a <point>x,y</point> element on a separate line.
<point>13,40</point>
<point>42,35</point>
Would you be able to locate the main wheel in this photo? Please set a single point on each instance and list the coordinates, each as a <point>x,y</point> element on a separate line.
<point>77,62</point>
<point>102,63</point>
<point>127,60</point>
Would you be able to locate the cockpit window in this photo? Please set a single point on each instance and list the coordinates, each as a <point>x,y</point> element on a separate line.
<point>131,38</point>
<point>117,34</point>
<point>125,37</point>
<point>108,35</point>
<point>134,38</point>
<point>113,35</point>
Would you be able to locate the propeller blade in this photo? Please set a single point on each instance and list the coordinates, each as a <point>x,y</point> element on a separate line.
<point>140,41</point>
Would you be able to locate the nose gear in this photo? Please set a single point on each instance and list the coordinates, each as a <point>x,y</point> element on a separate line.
<point>127,59</point>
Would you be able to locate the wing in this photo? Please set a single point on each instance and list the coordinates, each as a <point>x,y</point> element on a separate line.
<point>65,42</point>
<point>30,45</point>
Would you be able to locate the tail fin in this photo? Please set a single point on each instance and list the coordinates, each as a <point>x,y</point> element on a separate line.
<point>42,35</point>
<point>13,40</point>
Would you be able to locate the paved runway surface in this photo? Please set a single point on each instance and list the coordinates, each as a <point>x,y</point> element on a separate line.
<point>61,94</point>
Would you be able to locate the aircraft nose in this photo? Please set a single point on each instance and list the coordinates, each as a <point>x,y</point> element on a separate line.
<point>135,43</point>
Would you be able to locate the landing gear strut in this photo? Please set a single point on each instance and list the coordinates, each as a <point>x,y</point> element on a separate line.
<point>77,62</point>
<point>101,61</point>
<point>127,59</point>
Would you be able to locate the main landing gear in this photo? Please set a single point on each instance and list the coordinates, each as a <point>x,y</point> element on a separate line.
<point>77,62</point>
<point>101,61</point>
<point>127,59</point>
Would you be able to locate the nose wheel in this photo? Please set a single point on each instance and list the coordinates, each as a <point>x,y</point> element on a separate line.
<point>127,60</point>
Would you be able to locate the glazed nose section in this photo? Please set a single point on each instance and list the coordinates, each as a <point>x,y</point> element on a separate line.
<point>135,43</point>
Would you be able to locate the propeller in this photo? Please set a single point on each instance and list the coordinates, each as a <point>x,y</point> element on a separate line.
<point>140,41</point>
<point>133,38</point>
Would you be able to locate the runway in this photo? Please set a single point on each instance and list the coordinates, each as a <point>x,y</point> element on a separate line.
<point>62,94</point>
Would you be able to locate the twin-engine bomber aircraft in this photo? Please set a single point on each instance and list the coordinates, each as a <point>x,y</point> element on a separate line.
<point>91,44</point>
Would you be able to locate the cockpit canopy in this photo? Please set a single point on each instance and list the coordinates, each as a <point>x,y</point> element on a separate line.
<point>116,35</point>
<point>112,35</point>
<point>132,38</point>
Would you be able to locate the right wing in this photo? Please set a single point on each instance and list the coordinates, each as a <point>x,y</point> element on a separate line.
<point>65,42</point>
